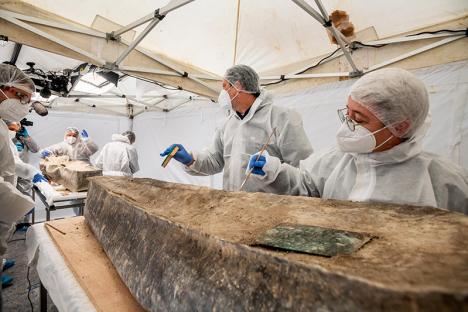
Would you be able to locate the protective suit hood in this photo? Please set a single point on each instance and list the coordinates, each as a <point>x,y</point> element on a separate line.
<point>120,138</point>
<point>264,99</point>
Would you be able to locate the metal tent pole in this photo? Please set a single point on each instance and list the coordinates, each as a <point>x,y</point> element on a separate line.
<point>328,24</point>
<point>325,21</point>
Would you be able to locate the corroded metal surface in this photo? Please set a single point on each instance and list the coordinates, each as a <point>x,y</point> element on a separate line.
<point>186,248</point>
<point>313,239</point>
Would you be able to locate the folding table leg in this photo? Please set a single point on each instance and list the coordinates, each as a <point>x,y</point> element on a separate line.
<point>43,298</point>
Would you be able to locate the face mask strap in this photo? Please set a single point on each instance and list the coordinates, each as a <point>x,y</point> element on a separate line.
<point>4,94</point>
<point>232,86</point>
<point>384,142</point>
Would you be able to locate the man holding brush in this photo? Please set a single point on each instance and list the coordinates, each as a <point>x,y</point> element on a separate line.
<point>249,127</point>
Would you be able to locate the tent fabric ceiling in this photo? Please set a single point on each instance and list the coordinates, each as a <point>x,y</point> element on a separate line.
<point>47,61</point>
<point>270,34</point>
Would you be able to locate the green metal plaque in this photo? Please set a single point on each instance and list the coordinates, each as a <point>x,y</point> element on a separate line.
<point>312,239</point>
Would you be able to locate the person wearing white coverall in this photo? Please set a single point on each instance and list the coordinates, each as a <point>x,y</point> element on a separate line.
<point>119,157</point>
<point>15,94</point>
<point>251,121</point>
<point>24,172</point>
<point>379,156</point>
<point>74,145</point>
<point>23,141</point>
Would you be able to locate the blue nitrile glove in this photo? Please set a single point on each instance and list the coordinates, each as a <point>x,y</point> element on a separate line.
<point>8,263</point>
<point>45,153</point>
<point>19,146</point>
<point>182,155</point>
<point>7,280</point>
<point>39,178</point>
<point>23,132</point>
<point>84,134</point>
<point>257,164</point>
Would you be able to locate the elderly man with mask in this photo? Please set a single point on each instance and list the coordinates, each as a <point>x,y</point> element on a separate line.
<point>15,94</point>
<point>251,121</point>
<point>379,156</point>
<point>74,145</point>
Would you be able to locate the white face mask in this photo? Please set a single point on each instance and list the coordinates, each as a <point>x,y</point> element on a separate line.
<point>70,140</point>
<point>359,141</point>
<point>13,110</point>
<point>225,100</point>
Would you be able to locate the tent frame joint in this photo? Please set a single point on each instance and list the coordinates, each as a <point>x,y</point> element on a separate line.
<point>111,66</point>
<point>158,16</point>
<point>356,73</point>
<point>323,18</point>
<point>113,37</point>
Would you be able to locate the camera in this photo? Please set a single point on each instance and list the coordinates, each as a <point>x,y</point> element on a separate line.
<point>48,83</point>
<point>26,123</point>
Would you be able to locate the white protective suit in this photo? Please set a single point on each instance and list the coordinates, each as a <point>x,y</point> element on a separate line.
<point>118,158</point>
<point>238,138</point>
<point>403,174</point>
<point>80,150</point>
<point>7,162</point>
<point>29,145</point>
<point>13,204</point>
<point>22,170</point>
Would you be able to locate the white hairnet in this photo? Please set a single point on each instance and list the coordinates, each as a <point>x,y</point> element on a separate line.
<point>393,95</point>
<point>72,129</point>
<point>11,76</point>
<point>246,76</point>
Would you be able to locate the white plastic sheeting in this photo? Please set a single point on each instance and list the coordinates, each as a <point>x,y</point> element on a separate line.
<point>448,94</point>
<point>448,136</point>
<point>194,125</point>
<point>62,286</point>
<point>50,129</point>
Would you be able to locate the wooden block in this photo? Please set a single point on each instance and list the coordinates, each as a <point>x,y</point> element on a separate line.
<point>90,266</point>
<point>73,174</point>
<point>185,248</point>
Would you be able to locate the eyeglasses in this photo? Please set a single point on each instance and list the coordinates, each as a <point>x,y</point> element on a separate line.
<point>344,117</point>
<point>24,99</point>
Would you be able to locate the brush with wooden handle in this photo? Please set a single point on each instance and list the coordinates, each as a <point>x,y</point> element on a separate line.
<point>258,156</point>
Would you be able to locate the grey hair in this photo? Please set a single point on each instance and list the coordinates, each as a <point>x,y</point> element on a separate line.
<point>246,76</point>
<point>130,135</point>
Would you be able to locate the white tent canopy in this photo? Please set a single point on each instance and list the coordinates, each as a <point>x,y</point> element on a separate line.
<point>265,34</point>
<point>192,45</point>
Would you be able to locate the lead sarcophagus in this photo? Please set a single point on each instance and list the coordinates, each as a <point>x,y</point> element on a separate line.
<point>187,248</point>
<point>72,174</point>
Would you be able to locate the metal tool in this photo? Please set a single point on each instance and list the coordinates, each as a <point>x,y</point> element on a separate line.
<point>169,156</point>
<point>258,156</point>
